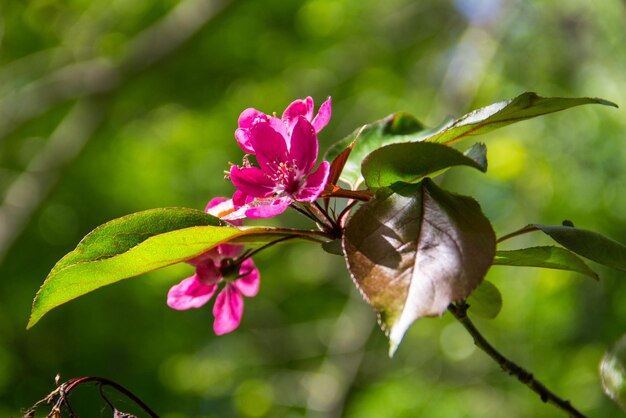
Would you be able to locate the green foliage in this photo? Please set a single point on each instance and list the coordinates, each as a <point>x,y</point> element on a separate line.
<point>396,128</point>
<point>589,244</point>
<point>547,257</point>
<point>414,249</point>
<point>122,234</point>
<point>411,162</point>
<point>164,137</point>
<point>525,106</point>
<point>137,244</point>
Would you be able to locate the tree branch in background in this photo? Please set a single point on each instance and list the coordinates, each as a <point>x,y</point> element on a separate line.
<point>86,81</point>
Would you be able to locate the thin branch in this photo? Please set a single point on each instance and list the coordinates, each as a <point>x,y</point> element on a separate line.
<point>106,382</point>
<point>521,231</point>
<point>459,311</point>
<point>249,254</point>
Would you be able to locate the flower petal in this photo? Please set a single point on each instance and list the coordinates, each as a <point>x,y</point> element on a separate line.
<point>247,120</point>
<point>248,285</point>
<point>229,250</point>
<point>243,139</point>
<point>252,181</point>
<point>279,126</point>
<point>249,117</point>
<point>323,115</point>
<point>190,293</point>
<point>213,203</point>
<point>296,109</point>
<point>314,184</point>
<point>270,146</point>
<point>207,267</point>
<point>268,207</point>
<point>304,146</point>
<point>227,310</point>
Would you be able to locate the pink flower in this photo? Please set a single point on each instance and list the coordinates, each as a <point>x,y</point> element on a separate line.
<point>212,268</point>
<point>251,117</point>
<point>284,173</point>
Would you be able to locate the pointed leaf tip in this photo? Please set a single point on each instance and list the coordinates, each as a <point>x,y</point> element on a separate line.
<point>137,244</point>
<point>414,249</point>
<point>525,106</point>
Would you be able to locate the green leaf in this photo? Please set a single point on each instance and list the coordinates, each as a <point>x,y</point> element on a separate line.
<point>398,127</point>
<point>485,301</point>
<point>588,244</point>
<point>415,248</point>
<point>121,234</point>
<point>411,162</point>
<point>497,115</point>
<point>140,243</point>
<point>613,372</point>
<point>547,257</point>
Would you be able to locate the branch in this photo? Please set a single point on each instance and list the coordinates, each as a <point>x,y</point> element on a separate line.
<point>460,313</point>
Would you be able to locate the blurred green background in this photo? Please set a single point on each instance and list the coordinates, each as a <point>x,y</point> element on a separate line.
<point>112,106</point>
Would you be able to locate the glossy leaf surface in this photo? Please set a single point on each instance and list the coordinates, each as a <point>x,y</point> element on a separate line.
<point>398,127</point>
<point>137,244</point>
<point>525,106</point>
<point>547,257</point>
<point>414,249</point>
<point>411,162</point>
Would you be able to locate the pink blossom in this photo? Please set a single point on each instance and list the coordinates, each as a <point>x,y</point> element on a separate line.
<point>305,108</point>
<point>285,171</point>
<point>212,268</point>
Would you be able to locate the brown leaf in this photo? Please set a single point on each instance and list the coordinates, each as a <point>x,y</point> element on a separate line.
<point>414,249</point>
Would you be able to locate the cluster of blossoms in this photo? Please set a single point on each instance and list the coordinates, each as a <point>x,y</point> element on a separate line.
<point>286,151</point>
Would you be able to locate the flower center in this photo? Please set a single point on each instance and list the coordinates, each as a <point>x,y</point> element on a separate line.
<point>285,175</point>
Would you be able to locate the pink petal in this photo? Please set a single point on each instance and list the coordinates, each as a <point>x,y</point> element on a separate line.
<point>304,146</point>
<point>314,184</point>
<point>224,209</point>
<point>243,139</point>
<point>270,146</point>
<point>252,181</point>
<point>227,310</point>
<point>207,271</point>
<point>214,203</point>
<point>323,116</point>
<point>249,117</point>
<point>279,126</point>
<point>240,198</point>
<point>189,293</point>
<point>268,208</point>
<point>296,109</point>
<point>229,250</point>
<point>249,283</point>
<point>247,120</point>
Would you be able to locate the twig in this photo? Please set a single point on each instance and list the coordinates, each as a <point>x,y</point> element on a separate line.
<point>459,311</point>
<point>524,230</point>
